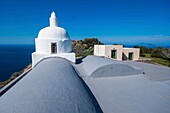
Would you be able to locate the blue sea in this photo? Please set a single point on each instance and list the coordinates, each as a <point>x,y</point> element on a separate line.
<point>14,58</point>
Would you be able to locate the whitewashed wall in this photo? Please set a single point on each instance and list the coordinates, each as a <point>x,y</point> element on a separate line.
<point>44,45</point>
<point>136,52</point>
<point>118,49</point>
<point>36,57</point>
<point>99,50</point>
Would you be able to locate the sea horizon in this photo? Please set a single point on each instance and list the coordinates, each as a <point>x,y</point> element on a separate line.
<point>107,43</point>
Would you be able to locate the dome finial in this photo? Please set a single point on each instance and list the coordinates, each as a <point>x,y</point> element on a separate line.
<point>53,14</point>
<point>53,20</point>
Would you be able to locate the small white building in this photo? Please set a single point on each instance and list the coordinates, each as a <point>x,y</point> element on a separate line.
<point>53,41</point>
<point>117,52</point>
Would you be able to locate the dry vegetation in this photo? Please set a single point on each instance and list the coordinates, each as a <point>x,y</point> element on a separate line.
<point>13,76</point>
<point>85,47</point>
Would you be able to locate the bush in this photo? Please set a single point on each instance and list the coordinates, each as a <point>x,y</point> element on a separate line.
<point>85,47</point>
<point>90,42</point>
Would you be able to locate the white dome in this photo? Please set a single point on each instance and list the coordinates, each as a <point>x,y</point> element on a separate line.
<point>53,33</point>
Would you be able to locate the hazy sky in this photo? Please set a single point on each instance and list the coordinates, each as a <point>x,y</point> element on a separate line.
<point>112,21</point>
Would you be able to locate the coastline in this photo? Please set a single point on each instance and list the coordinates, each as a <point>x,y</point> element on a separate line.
<point>14,76</point>
<point>14,58</point>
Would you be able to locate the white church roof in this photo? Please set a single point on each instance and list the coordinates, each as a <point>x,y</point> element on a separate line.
<point>56,85</point>
<point>52,86</point>
<point>53,31</point>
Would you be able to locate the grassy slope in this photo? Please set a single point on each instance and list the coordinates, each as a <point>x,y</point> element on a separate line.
<point>160,61</point>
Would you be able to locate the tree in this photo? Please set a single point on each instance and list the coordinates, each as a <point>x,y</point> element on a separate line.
<point>85,47</point>
<point>90,42</point>
<point>144,50</point>
<point>157,52</point>
<point>136,46</point>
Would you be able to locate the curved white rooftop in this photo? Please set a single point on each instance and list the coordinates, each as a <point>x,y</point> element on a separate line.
<point>64,91</point>
<point>53,31</point>
<point>52,86</point>
<point>97,67</point>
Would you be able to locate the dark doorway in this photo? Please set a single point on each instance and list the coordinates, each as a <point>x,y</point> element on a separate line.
<point>53,47</point>
<point>124,57</point>
<point>113,54</point>
<point>131,56</point>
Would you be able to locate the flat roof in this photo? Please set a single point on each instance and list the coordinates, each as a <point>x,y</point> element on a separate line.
<point>130,48</point>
